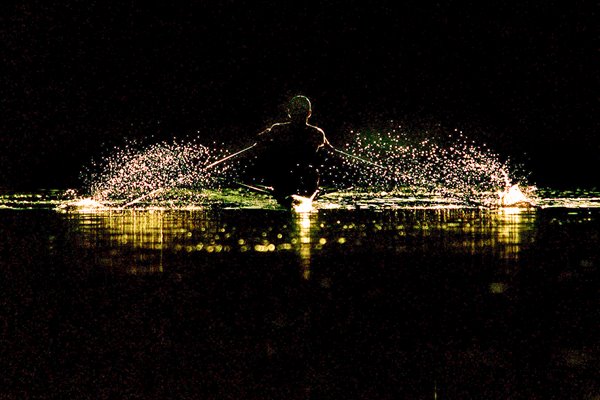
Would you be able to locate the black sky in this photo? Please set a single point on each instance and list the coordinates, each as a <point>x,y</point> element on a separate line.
<point>80,76</point>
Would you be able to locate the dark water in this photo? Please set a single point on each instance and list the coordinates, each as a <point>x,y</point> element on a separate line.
<point>219,303</point>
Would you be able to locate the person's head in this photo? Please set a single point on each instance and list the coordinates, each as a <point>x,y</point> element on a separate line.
<point>299,108</point>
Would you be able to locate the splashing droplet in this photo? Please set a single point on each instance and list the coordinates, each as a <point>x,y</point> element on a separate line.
<point>513,197</point>
<point>130,172</point>
<point>449,166</point>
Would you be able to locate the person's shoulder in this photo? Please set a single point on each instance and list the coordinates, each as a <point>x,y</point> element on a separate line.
<point>318,135</point>
<point>276,126</point>
<point>316,128</point>
<point>279,126</point>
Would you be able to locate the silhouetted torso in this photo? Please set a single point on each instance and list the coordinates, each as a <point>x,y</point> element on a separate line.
<point>286,157</point>
<point>290,143</point>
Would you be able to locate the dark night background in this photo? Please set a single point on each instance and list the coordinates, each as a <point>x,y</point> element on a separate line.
<point>80,76</point>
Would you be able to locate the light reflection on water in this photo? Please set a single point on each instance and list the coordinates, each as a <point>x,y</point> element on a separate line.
<point>144,241</point>
<point>464,302</point>
<point>237,199</point>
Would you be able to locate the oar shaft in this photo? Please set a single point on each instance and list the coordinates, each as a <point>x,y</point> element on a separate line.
<point>359,158</point>
<point>228,157</point>
<point>393,171</point>
<point>132,202</point>
<point>237,153</point>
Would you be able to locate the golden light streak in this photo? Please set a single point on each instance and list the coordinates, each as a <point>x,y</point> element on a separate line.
<point>302,204</point>
<point>305,224</point>
<point>513,197</point>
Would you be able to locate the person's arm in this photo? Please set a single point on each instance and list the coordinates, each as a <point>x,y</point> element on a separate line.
<point>267,133</point>
<point>263,134</point>
<point>324,141</point>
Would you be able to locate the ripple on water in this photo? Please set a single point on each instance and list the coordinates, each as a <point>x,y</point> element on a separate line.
<point>243,199</point>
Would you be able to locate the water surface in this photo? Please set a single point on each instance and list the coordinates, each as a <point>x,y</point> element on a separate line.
<point>368,296</point>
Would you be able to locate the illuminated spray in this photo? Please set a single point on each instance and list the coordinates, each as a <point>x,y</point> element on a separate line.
<point>129,172</point>
<point>449,166</point>
<point>392,162</point>
<point>201,169</point>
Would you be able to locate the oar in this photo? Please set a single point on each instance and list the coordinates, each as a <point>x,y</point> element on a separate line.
<point>368,162</point>
<point>229,156</point>
<point>266,190</point>
<point>180,180</point>
<point>358,158</point>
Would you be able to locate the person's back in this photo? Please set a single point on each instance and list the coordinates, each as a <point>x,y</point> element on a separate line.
<point>287,154</point>
<point>292,143</point>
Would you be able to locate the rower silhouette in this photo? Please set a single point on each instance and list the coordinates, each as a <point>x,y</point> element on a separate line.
<point>287,154</point>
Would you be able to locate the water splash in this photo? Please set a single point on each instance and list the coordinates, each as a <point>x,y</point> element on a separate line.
<point>434,164</point>
<point>130,171</point>
<point>513,196</point>
<point>446,165</point>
